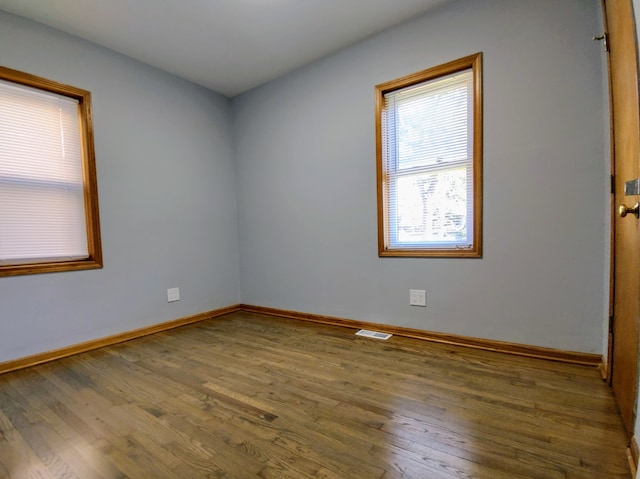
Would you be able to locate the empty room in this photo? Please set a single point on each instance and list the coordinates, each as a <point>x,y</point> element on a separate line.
<point>319,239</point>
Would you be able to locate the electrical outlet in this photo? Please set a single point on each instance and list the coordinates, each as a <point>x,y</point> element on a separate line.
<point>417,297</point>
<point>173,294</point>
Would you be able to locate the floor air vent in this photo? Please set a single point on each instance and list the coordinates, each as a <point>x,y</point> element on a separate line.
<point>373,334</point>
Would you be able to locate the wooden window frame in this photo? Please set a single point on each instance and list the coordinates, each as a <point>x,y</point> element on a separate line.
<point>90,184</point>
<point>474,63</point>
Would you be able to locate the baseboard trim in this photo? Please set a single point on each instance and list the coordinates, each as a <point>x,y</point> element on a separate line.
<point>476,343</point>
<point>35,359</point>
<point>632,455</point>
<point>572,357</point>
<point>604,370</point>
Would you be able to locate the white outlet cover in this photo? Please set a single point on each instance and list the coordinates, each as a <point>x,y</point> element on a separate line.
<point>173,294</point>
<point>417,297</point>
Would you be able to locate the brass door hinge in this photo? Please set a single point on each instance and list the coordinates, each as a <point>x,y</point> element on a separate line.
<point>605,38</point>
<point>613,185</point>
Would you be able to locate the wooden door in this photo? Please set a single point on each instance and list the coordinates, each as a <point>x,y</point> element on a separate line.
<point>623,78</point>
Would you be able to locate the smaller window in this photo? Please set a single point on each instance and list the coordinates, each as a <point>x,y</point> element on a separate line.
<point>48,192</point>
<point>429,161</point>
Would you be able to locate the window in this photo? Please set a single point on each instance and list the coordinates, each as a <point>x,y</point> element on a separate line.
<point>48,192</point>
<point>429,161</point>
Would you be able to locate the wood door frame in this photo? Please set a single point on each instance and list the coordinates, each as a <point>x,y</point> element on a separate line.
<point>607,368</point>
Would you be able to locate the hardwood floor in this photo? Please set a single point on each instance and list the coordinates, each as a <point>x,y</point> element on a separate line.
<point>248,395</point>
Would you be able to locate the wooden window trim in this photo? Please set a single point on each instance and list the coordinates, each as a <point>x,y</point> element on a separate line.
<point>92,217</point>
<point>474,62</point>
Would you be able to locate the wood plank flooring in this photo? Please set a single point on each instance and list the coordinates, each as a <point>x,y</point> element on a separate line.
<point>254,396</point>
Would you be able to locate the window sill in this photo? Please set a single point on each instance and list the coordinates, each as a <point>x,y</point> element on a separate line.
<point>37,268</point>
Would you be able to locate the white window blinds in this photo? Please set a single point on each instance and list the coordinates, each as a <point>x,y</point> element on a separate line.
<point>42,206</point>
<point>427,157</point>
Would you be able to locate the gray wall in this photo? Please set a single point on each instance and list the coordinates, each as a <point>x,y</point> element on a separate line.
<point>306,181</point>
<point>166,179</point>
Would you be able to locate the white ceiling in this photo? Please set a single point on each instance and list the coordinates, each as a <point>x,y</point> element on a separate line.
<point>227,45</point>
